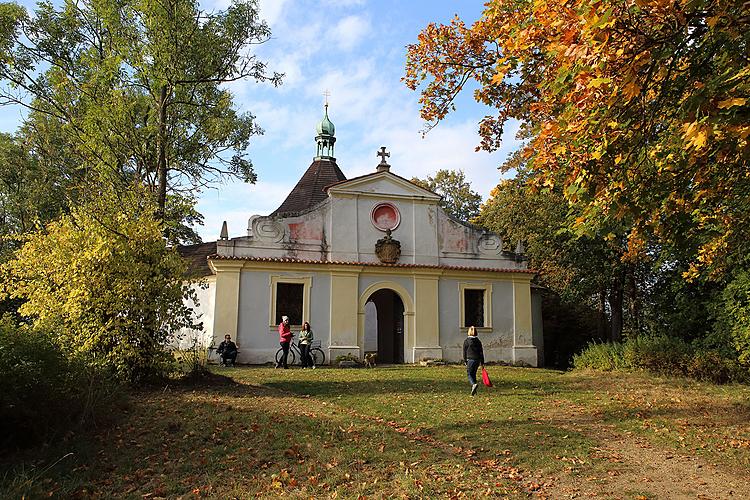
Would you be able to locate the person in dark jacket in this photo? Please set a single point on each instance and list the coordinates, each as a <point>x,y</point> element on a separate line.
<point>227,350</point>
<point>473,357</point>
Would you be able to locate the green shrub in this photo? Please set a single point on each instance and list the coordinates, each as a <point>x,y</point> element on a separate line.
<point>658,354</point>
<point>663,355</point>
<point>710,366</point>
<point>601,356</point>
<point>45,394</point>
<point>733,314</point>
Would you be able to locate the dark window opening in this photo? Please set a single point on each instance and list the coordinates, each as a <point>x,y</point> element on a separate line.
<point>473,307</point>
<point>289,298</point>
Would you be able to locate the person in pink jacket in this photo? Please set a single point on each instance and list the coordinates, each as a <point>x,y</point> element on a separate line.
<point>285,339</point>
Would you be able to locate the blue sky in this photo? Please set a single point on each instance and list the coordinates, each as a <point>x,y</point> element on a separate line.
<point>355,49</point>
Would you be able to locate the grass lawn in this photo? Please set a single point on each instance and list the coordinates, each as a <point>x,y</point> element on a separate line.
<point>406,432</point>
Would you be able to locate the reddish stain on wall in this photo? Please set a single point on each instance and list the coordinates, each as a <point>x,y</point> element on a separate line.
<point>453,238</point>
<point>305,231</point>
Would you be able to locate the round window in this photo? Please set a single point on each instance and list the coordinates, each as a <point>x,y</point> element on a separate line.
<point>385,216</point>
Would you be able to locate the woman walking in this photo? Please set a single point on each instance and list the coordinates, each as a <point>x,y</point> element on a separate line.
<point>473,357</point>
<point>305,340</point>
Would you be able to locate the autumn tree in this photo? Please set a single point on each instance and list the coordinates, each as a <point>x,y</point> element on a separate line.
<point>458,198</point>
<point>136,90</point>
<point>639,109</point>
<point>103,278</point>
<point>581,269</point>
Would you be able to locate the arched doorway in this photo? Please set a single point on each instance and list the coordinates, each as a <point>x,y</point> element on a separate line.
<point>384,326</point>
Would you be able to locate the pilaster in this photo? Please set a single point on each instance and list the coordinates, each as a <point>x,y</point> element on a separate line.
<point>227,301</point>
<point>344,317</point>
<point>427,322</point>
<point>523,345</point>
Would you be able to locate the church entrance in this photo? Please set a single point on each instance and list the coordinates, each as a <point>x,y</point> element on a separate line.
<point>384,326</point>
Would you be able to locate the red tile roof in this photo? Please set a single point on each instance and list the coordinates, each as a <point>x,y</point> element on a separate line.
<point>197,258</point>
<point>287,260</point>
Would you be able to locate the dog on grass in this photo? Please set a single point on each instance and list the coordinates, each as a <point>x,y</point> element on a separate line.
<point>371,359</point>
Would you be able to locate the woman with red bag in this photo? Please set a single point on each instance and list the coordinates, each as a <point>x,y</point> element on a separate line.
<point>473,357</point>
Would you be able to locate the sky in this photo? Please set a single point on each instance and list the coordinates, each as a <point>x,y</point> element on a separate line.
<point>356,50</point>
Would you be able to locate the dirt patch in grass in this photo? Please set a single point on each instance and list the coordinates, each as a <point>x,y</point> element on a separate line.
<point>655,439</point>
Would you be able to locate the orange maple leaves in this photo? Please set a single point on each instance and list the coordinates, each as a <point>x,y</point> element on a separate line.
<point>629,105</point>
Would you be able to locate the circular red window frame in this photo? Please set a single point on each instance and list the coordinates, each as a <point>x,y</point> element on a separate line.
<point>393,209</point>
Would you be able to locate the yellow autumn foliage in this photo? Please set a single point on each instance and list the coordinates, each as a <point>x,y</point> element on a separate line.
<point>105,278</point>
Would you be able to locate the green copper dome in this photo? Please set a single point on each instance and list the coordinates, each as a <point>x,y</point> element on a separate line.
<point>325,127</point>
<point>325,138</point>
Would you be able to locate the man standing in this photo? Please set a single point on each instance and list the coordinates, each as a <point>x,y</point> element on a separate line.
<point>227,350</point>
<point>285,338</point>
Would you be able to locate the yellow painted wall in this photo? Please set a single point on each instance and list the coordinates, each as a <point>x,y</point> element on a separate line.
<point>227,300</point>
<point>522,313</point>
<point>426,311</point>
<point>344,298</point>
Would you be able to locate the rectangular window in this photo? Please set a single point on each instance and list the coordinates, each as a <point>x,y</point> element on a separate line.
<point>473,307</point>
<point>476,305</point>
<point>290,296</point>
<point>289,302</point>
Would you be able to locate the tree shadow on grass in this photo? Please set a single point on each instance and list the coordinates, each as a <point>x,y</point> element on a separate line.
<point>411,386</point>
<point>228,439</point>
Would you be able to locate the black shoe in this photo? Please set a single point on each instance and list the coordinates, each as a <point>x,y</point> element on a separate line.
<point>474,389</point>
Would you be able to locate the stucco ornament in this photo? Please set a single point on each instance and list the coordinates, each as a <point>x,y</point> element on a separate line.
<point>267,229</point>
<point>385,216</point>
<point>490,244</point>
<point>387,249</point>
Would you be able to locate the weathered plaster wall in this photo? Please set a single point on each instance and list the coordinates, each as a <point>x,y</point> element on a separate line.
<point>497,341</point>
<point>203,312</point>
<point>258,341</point>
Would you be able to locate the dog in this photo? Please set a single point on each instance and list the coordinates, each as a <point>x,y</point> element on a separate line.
<point>371,359</point>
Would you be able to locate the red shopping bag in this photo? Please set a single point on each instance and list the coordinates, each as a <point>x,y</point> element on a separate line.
<point>486,378</point>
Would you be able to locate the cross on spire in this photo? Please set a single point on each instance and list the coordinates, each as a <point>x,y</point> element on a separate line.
<point>383,165</point>
<point>382,154</point>
<point>326,95</point>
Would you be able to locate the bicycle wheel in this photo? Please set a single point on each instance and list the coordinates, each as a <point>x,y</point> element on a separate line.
<point>319,357</point>
<point>289,358</point>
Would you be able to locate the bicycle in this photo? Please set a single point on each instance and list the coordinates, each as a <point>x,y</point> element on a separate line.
<point>317,354</point>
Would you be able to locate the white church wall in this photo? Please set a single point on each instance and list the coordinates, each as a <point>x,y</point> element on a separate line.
<point>425,235</point>
<point>368,235</point>
<point>497,341</point>
<point>203,312</point>
<point>258,340</point>
<point>343,229</point>
<point>257,343</point>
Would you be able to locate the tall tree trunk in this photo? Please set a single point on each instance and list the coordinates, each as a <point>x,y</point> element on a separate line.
<point>615,307</point>
<point>634,311</point>
<point>601,326</point>
<point>161,161</point>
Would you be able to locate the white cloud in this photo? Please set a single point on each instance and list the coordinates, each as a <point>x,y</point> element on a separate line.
<point>270,10</point>
<point>236,202</point>
<point>350,31</point>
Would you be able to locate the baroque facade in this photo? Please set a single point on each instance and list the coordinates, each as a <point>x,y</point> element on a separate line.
<point>375,265</point>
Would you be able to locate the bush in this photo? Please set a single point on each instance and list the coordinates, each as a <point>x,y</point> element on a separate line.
<point>733,314</point>
<point>662,355</point>
<point>658,354</point>
<point>103,273</point>
<point>601,356</point>
<point>44,394</point>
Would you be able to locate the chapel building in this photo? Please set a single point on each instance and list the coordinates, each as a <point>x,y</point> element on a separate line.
<point>374,265</point>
